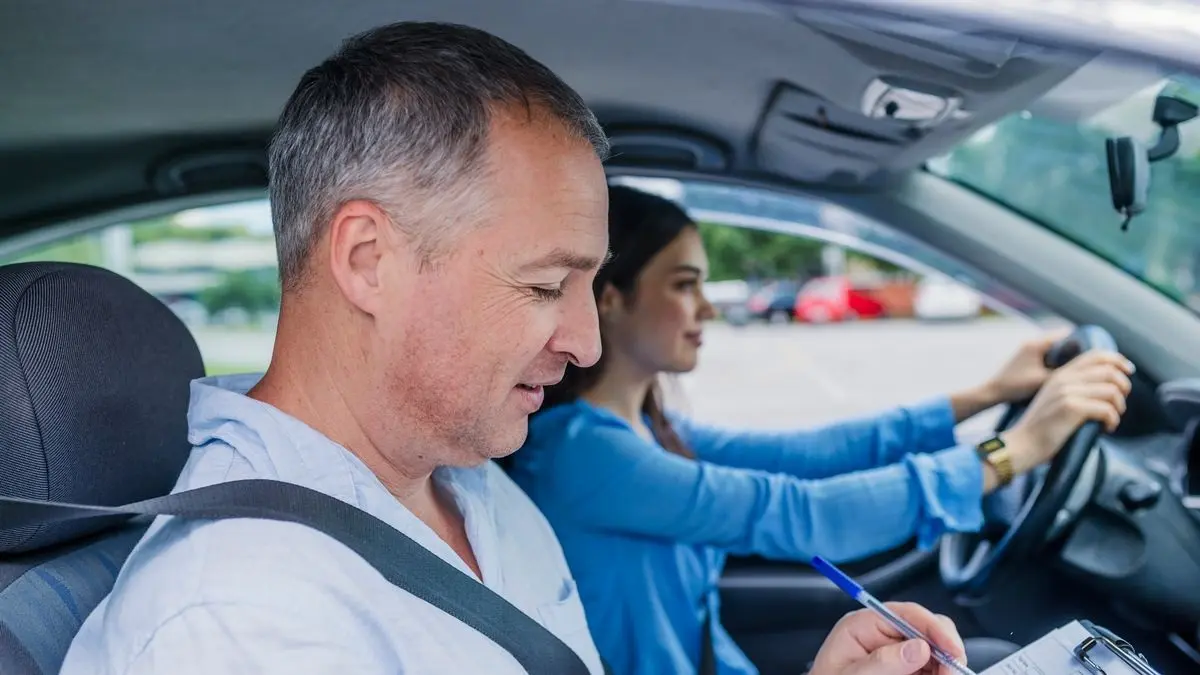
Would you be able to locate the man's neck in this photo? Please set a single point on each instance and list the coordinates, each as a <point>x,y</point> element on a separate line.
<point>317,399</point>
<point>317,377</point>
<point>319,403</point>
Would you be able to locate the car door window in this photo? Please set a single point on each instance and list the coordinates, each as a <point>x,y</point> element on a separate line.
<point>839,316</point>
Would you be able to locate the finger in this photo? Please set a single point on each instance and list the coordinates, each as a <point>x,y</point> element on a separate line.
<point>1104,392</point>
<point>902,658</point>
<point>952,634</point>
<point>1075,395</point>
<point>940,630</point>
<point>1103,373</point>
<point>1097,357</point>
<point>1092,409</point>
<point>1122,381</point>
<point>1052,338</point>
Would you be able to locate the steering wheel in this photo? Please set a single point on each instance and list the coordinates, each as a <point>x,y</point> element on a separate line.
<point>968,561</point>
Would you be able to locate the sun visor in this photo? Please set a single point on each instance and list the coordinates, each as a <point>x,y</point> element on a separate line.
<point>962,49</point>
<point>804,137</point>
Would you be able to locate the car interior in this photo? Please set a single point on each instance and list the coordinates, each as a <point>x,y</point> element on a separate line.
<point>127,109</point>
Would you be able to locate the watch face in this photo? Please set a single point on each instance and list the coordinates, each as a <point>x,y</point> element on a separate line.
<point>991,445</point>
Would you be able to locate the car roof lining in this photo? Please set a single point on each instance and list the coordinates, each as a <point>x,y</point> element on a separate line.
<point>88,125</point>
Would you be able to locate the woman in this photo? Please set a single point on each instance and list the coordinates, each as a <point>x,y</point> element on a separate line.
<point>647,506</point>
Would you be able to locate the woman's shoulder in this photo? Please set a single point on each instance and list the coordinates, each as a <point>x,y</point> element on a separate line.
<point>571,432</point>
<point>574,421</point>
<point>570,448</point>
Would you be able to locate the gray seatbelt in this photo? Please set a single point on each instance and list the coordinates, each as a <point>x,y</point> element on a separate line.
<point>708,657</point>
<point>402,561</point>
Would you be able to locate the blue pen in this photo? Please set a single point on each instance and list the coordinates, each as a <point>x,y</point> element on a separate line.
<point>854,590</point>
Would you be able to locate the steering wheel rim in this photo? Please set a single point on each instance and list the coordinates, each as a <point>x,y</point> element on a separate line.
<point>967,563</point>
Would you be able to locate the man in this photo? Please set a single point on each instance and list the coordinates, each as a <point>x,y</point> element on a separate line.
<point>440,208</point>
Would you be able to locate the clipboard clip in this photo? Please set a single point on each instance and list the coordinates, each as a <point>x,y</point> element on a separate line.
<point>1123,649</point>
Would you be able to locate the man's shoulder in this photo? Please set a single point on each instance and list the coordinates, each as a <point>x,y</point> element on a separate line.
<point>182,562</point>
<point>220,582</point>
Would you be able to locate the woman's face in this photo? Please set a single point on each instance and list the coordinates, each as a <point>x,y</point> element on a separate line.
<point>659,328</point>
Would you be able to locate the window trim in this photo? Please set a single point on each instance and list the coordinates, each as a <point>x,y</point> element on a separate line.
<point>16,244</point>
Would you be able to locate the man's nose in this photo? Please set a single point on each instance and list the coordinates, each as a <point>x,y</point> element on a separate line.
<point>578,334</point>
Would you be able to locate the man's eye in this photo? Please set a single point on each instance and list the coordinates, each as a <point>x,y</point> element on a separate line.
<point>547,293</point>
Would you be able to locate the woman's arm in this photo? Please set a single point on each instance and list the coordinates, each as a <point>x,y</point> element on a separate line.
<point>609,478</point>
<point>852,445</point>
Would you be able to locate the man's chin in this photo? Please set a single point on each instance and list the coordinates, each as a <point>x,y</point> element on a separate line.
<point>509,441</point>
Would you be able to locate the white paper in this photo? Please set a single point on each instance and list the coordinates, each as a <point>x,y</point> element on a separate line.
<point>1054,654</point>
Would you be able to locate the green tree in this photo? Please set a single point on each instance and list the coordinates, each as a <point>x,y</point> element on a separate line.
<point>84,249</point>
<point>739,253</point>
<point>165,228</point>
<point>255,291</point>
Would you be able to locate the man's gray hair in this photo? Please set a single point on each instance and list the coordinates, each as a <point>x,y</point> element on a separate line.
<point>400,116</point>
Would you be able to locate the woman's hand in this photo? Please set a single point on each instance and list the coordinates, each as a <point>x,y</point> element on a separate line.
<point>1018,380</point>
<point>1092,387</point>
<point>1025,373</point>
<point>864,643</point>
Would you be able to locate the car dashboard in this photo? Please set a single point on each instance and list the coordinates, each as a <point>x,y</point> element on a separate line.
<point>1137,538</point>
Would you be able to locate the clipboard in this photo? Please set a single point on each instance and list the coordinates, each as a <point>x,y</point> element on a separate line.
<point>1077,648</point>
<point>1104,639</point>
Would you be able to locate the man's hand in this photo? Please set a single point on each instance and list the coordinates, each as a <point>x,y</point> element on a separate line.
<point>864,643</point>
<point>1092,387</point>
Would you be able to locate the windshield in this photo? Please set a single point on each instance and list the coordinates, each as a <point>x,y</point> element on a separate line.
<point>1055,172</point>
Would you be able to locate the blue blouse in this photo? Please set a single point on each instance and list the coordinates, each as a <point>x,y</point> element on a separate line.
<point>646,532</point>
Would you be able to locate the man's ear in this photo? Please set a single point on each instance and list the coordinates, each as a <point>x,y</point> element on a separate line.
<point>358,244</point>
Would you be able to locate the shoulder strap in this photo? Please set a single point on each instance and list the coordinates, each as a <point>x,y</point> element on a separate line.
<point>708,657</point>
<point>402,561</point>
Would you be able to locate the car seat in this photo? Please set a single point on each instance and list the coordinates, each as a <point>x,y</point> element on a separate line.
<point>94,384</point>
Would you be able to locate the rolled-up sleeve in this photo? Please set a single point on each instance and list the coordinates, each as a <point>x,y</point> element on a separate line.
<point>609,478</point>
<point>832,450</point>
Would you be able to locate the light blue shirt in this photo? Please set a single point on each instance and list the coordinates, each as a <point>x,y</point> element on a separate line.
<point>646,532</point>
<point>262,597</point>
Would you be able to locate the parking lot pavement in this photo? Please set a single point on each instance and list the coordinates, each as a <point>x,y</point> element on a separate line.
<point>789,375</point>
<point>234,348</point>
<point>763,376</point>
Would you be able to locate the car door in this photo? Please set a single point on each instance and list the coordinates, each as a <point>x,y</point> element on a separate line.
<point>780,612</point>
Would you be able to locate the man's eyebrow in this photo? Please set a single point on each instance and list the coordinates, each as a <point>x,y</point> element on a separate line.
<point>688,268</point>
<point>562,258</point>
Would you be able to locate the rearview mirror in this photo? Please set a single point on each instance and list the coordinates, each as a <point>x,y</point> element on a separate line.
<point>1129,162</point>
<point>1128,175</point>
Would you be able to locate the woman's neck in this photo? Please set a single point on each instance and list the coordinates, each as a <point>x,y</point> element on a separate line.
<point>622,390</point>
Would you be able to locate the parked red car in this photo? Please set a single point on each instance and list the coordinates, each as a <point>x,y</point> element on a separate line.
<point>832,299</point>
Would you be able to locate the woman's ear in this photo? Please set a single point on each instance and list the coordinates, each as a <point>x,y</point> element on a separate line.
<point>610,301</point>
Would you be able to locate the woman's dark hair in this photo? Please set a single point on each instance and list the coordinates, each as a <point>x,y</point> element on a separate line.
<point>639,226</point>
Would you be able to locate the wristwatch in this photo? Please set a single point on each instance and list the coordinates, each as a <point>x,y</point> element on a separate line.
<point>996,454</point>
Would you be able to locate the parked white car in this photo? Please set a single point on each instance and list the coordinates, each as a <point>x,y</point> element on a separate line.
<point>730,298</point>
<point>942,298</point>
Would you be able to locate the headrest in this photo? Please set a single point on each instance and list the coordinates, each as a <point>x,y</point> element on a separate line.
<point>94,379</point>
